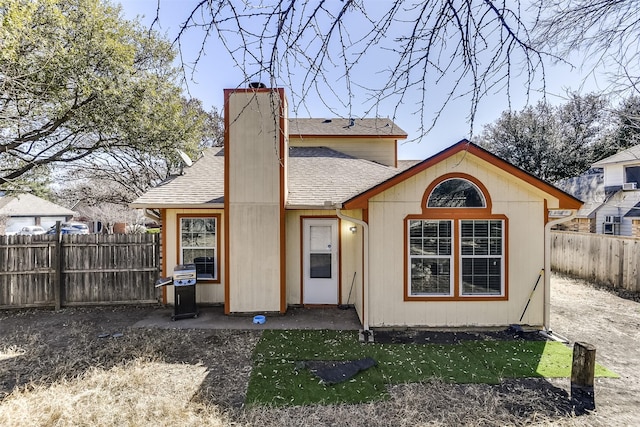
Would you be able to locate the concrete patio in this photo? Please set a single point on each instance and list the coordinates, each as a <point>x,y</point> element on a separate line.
<point>213,317</point>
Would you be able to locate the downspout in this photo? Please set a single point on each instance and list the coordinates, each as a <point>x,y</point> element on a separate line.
<point>547,266</point>
<point>365,273</point>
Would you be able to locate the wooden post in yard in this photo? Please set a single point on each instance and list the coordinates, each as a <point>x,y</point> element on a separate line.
<point>59,280</point>
<point>582,378</point>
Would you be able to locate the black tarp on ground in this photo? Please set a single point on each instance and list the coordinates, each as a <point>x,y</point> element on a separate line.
<point>334,372</point>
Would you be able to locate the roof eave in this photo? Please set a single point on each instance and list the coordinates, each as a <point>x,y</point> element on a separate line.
<point>311,135</point>
<point>152,205</point>
<point>332,206</point>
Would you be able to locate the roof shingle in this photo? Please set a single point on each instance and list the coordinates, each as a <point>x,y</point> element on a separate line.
<point>380,127</point>
<point>200,184</point>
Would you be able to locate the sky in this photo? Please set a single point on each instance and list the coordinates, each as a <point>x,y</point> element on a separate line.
<point>217,71</point>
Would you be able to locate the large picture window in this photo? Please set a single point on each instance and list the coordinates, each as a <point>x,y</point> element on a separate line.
<point>456,247</point>
<point>199,245</point>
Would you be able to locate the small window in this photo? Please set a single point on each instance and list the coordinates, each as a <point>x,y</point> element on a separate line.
<point>456,193</point>
<point>632,175</point>
<point>198,245</point>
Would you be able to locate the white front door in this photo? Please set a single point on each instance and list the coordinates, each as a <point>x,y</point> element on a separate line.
<point>320,261</point>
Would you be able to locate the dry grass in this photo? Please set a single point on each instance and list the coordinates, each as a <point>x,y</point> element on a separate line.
<point>138,393</point>
<point>55,371</point>
<point>435,403</point>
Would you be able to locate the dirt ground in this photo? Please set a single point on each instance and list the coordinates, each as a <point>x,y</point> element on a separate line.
<point>39,348</point>
<point>581,312</point>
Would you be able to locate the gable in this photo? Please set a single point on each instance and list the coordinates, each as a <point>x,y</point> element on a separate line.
<point>469,158</point>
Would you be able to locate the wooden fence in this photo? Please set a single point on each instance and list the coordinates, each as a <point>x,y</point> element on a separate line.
<point>93,269</point>
<point>609,260</point>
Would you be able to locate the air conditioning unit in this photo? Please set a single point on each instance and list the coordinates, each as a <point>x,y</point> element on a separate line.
<point>630,186</point>
<point>610,219</point>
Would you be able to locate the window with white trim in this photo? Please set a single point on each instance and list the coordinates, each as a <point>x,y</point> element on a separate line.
<point>430,257</point>
<point>198,245</point>
<point>481,257</point>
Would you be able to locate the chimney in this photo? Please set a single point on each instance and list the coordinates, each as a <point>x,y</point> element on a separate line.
<point>256,156</point>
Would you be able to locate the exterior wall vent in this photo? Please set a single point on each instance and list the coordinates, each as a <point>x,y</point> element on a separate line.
<point>630,186</point>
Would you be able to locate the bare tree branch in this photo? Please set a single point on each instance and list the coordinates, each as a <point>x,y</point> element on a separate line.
<point>411,50</point>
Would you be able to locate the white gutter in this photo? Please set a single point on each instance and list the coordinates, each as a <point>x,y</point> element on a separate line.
<point>365,273</point>
<point>547,266</point>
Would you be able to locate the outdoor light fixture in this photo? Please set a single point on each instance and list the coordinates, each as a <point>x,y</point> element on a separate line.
<point>353,229</point>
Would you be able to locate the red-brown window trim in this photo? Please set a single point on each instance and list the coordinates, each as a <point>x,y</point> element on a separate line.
<point>179,242</point>
<point>456,215</point>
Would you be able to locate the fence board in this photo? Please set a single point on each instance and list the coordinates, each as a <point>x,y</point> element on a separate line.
<point>604,259</point>
<point>97,269</point>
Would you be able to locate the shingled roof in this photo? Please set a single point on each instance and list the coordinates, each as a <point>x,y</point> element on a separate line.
<point>319,174</point>
<point>316,175</point>
<point>631,154</point>
<point>30,205</point>
<point>200,185</point>
<point>380,127</point>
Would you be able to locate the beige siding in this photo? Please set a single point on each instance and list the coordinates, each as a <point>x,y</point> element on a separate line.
<point>255,254</point>
<point>520,202</point>
<point>255,198</point>
<point>381,150</point>
<point>206,292</point>
<point>350,256</point>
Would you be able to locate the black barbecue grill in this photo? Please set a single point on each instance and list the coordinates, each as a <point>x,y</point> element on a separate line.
<point>184,290</point>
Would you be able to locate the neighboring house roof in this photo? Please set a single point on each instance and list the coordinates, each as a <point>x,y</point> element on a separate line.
<point>30,205</point>
<point>368,127</point>
<point>629,155</point>
<point>589,188</point>
<point>634,212</point>
<point>199,185</point>
<point>320,174</point>
<point>567,201</point>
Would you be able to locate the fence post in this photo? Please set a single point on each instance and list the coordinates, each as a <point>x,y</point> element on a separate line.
<point>59,281</point>
<point>582,378</point>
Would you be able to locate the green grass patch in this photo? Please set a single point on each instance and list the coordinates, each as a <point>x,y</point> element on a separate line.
<point>278,379</point>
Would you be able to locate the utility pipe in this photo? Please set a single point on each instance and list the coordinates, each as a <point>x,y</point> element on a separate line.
<point>365,273</point>
<point>547,266</point>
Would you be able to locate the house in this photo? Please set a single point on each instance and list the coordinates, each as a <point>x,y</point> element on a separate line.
<point>619,213</point>
<point>21,210</point>
<point>589,188</point>
<point>611,195</point>
<point>321,212</point>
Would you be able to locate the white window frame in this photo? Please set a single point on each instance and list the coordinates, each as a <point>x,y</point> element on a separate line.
<point>214,247</point>
<point>501,256</point>
<point>450,257</point>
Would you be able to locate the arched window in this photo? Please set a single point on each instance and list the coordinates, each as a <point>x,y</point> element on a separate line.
<point>456,249</point>
<point>456,193</point>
